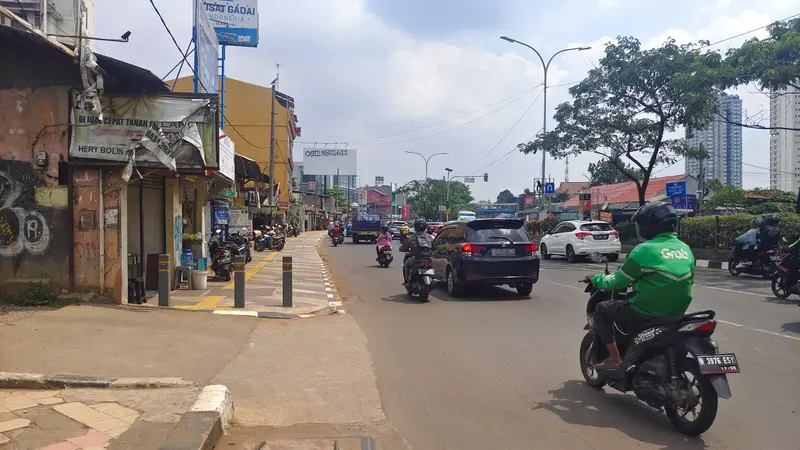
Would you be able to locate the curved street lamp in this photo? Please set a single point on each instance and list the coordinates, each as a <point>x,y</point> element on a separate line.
<point>545,67</point>
<point>427,159</point>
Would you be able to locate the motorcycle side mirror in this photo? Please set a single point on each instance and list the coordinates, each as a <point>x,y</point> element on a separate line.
<point>598,258</point>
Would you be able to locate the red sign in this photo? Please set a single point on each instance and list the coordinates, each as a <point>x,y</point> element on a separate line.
<point>405,212</point>
<point>529,200</point>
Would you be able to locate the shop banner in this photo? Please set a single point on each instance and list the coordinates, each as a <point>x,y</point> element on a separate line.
<point>236,21</point>
<point>151,129</point>
<point>227,154</point>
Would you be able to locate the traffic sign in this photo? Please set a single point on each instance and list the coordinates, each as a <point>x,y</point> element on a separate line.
<point>469,179</point>
<point>447,211</point>
<point>549,188</point>
<point>685,201</point>
<point>676,188</point>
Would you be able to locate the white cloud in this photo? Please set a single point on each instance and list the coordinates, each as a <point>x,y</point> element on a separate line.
<point>353,76</point>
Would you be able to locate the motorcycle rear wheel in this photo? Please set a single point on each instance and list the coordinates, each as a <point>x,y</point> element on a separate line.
<point>259,246</point>
<point>708,402</point>
<point>424,292</point>
<point>780,286</point>
<point>590,375</point>
<point>732,263</point>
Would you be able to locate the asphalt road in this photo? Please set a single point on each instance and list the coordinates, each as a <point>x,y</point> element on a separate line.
<point>497,371</point>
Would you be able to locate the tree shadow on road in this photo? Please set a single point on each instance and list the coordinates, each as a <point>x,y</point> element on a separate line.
<point>578,404</point>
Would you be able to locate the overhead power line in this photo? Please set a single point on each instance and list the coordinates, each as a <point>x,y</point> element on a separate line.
<point>194,71</point>
<point>750,31</point>
<point>507,133</point>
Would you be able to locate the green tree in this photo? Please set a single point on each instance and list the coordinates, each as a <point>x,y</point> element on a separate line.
<point>425,197</point>
<point>606,172</point>
<point>506,196</point>
<point>727,197</point>
<point>627,106</point>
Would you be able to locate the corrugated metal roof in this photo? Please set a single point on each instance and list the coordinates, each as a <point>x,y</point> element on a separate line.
<point>626,192</point>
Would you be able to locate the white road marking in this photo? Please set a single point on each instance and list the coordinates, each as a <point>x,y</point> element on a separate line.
<point>731,290</point>
<point>760,330</point>
<point>566,286</point>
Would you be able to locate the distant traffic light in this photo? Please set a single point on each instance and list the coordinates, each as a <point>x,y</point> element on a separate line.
<point>485,177</point>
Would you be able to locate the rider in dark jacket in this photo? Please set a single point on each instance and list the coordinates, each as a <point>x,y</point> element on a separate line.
<point>416,245</point>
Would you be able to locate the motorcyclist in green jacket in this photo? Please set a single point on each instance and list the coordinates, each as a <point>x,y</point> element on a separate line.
<point>661,272</point>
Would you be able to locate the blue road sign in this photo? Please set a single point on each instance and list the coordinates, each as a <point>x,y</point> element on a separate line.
<point>206,45</point>
<point>684,201</point>
<point>676,188</point>
<point>549,188</point>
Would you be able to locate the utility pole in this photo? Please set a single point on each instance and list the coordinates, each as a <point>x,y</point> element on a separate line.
<point>271,193</point>
<point>702,182</point>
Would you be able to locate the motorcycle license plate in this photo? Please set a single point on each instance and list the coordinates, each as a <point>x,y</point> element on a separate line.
<point>503,252</point>
<point>775,258</point>
<point>722,363</point>
<point>223,261</point>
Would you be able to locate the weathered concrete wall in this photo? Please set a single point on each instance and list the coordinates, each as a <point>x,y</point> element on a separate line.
<point>34,218</point>
<point>93,218</point>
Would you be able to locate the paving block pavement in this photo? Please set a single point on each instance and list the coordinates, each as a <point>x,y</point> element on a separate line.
<point>90,419</point>
<point>313,293</point>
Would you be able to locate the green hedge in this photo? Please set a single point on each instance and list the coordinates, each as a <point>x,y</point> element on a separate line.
<point>540,226</point>
<point>698,232</point>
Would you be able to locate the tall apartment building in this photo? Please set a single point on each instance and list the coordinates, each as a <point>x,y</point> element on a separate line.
<point>722,140</point>
<point>784,145</point>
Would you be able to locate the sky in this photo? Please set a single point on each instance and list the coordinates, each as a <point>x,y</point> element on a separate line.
<point>429,76</point>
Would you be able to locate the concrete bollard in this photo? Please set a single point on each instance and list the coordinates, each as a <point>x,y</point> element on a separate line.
<point>238,282</point>
<point>287,281</point>
<point>164,288</point>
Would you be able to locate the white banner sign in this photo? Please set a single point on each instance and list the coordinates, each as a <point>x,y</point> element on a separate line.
<point>151,128</point>
<point>227,154</point>
<point>330,161</point>
<point>236,21</point>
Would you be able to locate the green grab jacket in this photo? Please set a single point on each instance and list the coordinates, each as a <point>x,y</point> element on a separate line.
<point>661,271</point>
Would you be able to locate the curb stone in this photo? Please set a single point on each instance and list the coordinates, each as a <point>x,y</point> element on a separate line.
<point>61,381</point>
<point>702,263</point>
<point>202,427</point>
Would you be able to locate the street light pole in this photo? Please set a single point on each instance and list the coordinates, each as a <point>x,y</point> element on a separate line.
<point>447,197</point>
<point>545,67</point>
<point>427,159</point>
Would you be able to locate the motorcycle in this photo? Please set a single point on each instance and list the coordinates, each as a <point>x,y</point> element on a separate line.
<point>242,244</point>
<point>764,263</point>
<point>385,256</point>
<point>337,239</point>
<point>221,258</point>
<point>670,363</point>
<point>269,240</point>
<point>420,278</point>
<point>780,280</point>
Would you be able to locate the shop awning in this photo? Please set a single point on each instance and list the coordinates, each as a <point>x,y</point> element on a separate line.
<point>248,169</point>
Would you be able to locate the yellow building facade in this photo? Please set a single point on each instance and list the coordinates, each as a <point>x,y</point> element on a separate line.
<point>247,123</point>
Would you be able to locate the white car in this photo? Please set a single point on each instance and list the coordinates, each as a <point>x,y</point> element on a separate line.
<point>577,238</point>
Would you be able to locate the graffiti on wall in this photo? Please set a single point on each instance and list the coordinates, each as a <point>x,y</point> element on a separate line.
<point>21,229</point>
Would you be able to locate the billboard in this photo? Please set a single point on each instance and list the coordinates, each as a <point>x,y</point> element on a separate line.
<point>330,161</point>
<point>235,21</point>
<point>206,59</point>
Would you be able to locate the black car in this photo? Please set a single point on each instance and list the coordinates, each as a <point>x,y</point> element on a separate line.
<point>485,251</point>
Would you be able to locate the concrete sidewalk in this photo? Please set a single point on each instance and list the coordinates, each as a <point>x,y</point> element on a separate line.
<point>312,291</point>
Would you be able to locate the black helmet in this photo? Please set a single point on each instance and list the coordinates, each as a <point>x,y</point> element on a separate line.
<point>653,219</point>
<point>420,225</point>
<point>384,229</point>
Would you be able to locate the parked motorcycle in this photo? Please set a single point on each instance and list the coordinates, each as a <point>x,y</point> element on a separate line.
<point>242,244</point>
<point>419,279</point>
<point>221,258</point>
<point>385,256</point>
<point>269,239</point>
<point>670,363</point>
